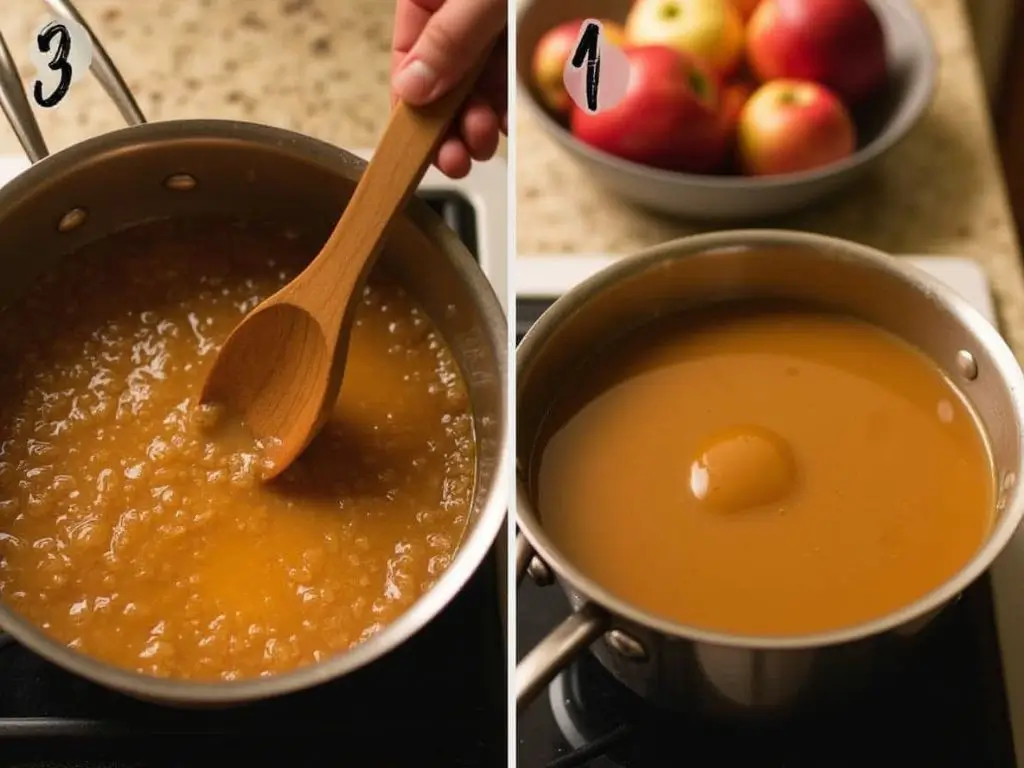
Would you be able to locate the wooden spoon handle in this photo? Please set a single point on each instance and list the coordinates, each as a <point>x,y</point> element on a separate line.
<point>410,140</point>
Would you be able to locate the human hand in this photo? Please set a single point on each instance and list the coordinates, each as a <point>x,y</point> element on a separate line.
<point>435,43</point>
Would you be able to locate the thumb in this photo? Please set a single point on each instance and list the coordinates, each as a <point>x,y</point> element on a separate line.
<point>449,45</point>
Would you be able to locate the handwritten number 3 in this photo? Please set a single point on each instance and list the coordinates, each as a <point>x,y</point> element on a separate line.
<point>59,63</point>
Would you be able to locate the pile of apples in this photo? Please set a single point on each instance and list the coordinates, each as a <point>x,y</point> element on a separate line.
<point>761,87</point>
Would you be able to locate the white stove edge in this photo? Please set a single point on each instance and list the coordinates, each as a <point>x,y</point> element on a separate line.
<point>548,276</point>
<point>485,188</point>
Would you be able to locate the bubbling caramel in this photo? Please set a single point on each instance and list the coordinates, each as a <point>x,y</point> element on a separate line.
<point>135,529</point>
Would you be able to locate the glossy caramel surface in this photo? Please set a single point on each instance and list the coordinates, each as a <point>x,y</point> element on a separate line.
<point>767,471</point>
<point>132,532</point>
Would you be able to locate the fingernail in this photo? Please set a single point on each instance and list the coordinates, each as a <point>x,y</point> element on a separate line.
<point>415,82</point>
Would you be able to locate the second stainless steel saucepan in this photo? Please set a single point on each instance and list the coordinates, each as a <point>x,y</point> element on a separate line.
<point>180,168</point>
<point>685,667</point>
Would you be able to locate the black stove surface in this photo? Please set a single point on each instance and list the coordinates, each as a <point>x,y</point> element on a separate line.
<point>438,699</point>
<point>944,707</point>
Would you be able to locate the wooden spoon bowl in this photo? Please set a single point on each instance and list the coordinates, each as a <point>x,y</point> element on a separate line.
<point>280,370</point>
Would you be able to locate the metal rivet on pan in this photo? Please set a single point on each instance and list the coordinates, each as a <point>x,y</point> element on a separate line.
<point>967,365</point>
<point>539,572</point>
<point>625,645</point>
<point>181,182</point>
<point>73,219</point>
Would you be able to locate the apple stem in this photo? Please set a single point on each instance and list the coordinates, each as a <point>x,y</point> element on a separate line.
<point>787,98</point>
<point>670,11</point>
<point>699,84</point>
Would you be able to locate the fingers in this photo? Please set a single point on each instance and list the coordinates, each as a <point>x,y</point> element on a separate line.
<point>479,129</point>
<point>482,120</point>
<point>474,136</point>
<point>450,42</point>
<point>445,37</point>
<point>411,16</point>
<point>493,83</point>
<point>453,158</point>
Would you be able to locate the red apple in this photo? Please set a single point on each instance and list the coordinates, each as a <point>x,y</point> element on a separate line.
<point>746,7</point>
<point>668,117</point>
<point>837,43</point>
<point>789,126</point>
<point>553,49</point>
<point>711,30</point>
<point>734,98</point>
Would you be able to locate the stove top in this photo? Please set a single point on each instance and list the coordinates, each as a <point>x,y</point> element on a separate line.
<point>946,707</point>
<point>957,701</point>
<point>443,693</point>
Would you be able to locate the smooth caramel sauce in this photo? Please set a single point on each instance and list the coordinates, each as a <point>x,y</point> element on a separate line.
<point>764,471</point>
<point>743,467</point>
<point>133,532</point>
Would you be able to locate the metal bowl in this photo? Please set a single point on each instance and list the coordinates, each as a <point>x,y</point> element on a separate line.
<point>881,124</point>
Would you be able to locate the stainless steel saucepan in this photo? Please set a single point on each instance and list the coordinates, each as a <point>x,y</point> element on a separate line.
<point>185,167</point>
<point>678,666</point>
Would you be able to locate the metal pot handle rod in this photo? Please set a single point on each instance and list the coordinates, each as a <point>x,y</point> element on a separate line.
<point>16,106</point>
<point>15,103</point>
<point>566,641</point>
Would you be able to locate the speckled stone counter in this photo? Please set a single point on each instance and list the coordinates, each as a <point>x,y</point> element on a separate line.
<point>940,192</point>
<point>316,66</point>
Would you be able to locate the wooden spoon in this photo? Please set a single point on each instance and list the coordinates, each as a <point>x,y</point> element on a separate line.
<point>281,369</point>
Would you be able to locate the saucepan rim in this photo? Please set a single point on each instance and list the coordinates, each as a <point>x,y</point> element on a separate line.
<point>563,310</point>
<point>479,539</point>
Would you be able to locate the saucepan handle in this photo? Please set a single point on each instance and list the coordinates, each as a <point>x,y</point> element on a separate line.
<point>15,103</point>
<point>524,554</point>
<point>566,641</point>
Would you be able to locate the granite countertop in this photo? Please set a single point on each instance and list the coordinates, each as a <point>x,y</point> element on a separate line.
<point>315,66</point>
<point>939,192</point>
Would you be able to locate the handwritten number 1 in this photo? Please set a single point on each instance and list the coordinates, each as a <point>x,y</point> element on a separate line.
<point>59,63</point>
<point>588,51</point>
